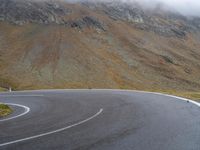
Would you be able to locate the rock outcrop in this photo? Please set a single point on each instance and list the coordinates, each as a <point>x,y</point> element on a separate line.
<point>20,12</point>
<point>164,23</point>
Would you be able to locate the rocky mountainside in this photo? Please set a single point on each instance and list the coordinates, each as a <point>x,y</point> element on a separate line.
<point>57,44</point>
<point>157,20</point>
<point>20,12</point>
<point>23,11</point>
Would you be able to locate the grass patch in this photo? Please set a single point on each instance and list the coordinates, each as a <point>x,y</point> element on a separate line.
<point>3,89</point>
<point>4,110</point>
<point>189,95</point>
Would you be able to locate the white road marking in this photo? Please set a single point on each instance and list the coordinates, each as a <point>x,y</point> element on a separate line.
<point>177,97</point>
<point>98,113</point>
<point>181,98</point>
<point>21,95</point>
<point>55,131</point>
<point>156,93</point>
<point>27,109</point>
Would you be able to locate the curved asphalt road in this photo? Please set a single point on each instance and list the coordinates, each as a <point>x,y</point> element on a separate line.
<point>100,120</point>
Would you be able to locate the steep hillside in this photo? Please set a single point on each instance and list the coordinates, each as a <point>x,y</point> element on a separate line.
<point>97,45</point>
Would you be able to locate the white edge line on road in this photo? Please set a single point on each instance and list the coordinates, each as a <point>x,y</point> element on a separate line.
<point>177,97</point>
<point>55,131</point>
<point>181,98</point>
<point>156,93</point>
<point>21,95</point>
<point>27,109</point>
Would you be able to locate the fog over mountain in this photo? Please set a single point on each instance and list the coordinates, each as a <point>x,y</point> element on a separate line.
<point>185,7</point>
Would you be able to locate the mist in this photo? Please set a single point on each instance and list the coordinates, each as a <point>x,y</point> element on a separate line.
<point>185,7</point>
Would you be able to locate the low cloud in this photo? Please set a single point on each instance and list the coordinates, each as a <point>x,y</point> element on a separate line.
<point>185,7</point>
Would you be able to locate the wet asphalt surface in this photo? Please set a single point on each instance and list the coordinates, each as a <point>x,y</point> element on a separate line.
<point>129,121</point>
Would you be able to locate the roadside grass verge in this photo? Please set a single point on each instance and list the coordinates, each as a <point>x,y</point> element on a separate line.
<point>190,95</point>
<point>5,110</point>
<point>2,89</point>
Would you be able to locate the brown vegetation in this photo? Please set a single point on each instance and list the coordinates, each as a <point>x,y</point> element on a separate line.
<point>37,56</point>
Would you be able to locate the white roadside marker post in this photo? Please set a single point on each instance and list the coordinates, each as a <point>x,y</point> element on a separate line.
<point>10,89</point>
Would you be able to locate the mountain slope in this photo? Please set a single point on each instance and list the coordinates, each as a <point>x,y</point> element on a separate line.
<point>97,45</point>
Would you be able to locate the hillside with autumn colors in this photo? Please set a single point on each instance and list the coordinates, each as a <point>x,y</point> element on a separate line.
<point>97,45</point>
